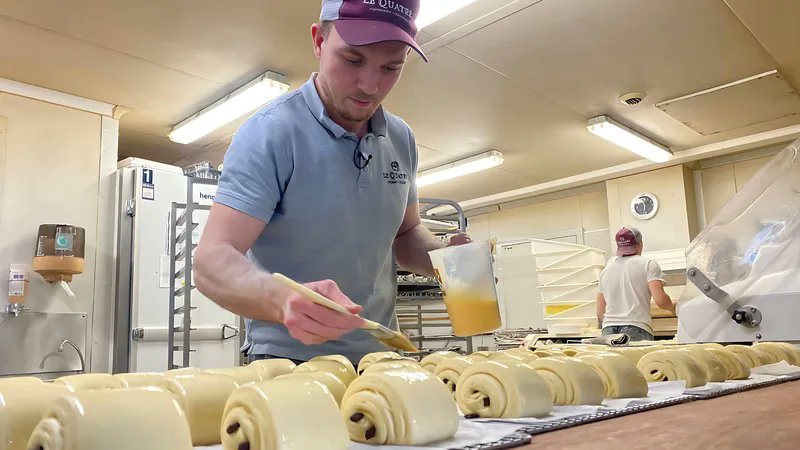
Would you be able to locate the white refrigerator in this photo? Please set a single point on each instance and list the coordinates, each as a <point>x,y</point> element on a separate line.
<point>146,191</point>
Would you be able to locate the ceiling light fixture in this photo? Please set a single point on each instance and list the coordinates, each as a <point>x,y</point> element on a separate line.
<point>460,168</point>
<point>616,133</point>
<point>431,11</point>
<point>252,95</point>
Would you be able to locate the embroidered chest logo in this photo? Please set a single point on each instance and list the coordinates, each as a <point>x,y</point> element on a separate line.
<point>395,176</point>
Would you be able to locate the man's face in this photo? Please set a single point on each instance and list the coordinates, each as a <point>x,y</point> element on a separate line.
<point>355,80</point>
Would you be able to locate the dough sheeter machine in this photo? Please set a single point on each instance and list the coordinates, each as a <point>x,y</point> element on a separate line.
<point>744,267</point>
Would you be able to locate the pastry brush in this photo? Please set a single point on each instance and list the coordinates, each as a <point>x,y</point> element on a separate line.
<point>388,337</point>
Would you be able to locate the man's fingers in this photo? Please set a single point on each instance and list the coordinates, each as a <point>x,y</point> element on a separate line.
<point>331,290</point>
<point>329,318</point>
<point>301,323</point>
<point>307,338</point>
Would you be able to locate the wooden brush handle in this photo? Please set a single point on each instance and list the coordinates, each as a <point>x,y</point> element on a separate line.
<point>314,296</point>
<point>320,299</point>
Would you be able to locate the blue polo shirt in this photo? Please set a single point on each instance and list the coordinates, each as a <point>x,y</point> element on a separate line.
<point>291,166</point>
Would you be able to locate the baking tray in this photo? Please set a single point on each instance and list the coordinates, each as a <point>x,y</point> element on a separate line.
<point>546,427</point>
<point>512,441</point>
<point>743,388</point>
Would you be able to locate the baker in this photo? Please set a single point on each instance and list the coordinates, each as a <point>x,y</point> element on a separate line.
<point>319,185</point>
<point>627,283</point>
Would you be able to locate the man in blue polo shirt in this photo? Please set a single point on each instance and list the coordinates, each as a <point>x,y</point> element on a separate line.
<point>320,185</point>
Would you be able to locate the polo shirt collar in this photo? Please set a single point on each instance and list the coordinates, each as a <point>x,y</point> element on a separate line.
<point>378,123</point>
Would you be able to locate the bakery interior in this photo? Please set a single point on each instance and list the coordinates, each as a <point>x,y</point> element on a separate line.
<point>542,128</point>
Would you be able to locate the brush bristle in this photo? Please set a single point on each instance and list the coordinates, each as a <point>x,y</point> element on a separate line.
<point>400,341</point>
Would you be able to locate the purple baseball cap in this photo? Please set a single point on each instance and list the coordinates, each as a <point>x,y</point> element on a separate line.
<point>364,22</point>
<point>628,240</point>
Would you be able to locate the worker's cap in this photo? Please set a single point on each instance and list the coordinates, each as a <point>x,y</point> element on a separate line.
<point>364,22</point>
<point>628,240</point>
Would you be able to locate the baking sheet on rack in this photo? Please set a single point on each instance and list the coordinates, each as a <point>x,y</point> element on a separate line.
<point>470,432</point>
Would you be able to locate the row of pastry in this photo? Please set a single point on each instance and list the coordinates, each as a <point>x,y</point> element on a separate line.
<point>270,404</point>
<point>389,399</point>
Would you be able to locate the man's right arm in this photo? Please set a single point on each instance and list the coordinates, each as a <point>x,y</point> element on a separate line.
<point>660,296</point>
<point>224,274</point>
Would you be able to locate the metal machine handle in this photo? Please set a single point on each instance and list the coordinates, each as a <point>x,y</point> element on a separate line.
<point>745,315</point>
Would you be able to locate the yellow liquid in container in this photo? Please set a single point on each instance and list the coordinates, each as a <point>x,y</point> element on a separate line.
<point>555,309</point>
<point>471,315</point>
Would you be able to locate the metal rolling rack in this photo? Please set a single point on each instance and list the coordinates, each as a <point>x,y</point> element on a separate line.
<point>182,215</point>
<point>416,295</point>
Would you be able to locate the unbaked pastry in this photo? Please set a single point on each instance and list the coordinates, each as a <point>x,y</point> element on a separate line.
<point>781,350</point>
<point>241,375</point>
<point>737,367</point>
<point>21,408</point>
<point>139,380</point>
<point>274,415</point>
<point>767,357</point>
<point>372,358</point>
<point>343,369</point>
<point>621,378</point>
<point>202,397</point>
<point>182,371</point>
<point>751,357</point>
<point>519,354</point>
<point>90,382</point>
<point>633,354</point>
<point>399,407</point>
<point>393,364</point>
<point>483,354</point>
<point>430,362</point>
<point>271,368</point>
<point>716,371</point>
<point>548,353</point>
<point>503,389</point>
<point>329,380</point>
<point>122,419</point>
<point>571,381</point>
<point>672,365</point>
<point>449,371</point>
<point>19,381</point>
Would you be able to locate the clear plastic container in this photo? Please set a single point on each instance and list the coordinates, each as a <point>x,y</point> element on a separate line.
<point>470,295</point>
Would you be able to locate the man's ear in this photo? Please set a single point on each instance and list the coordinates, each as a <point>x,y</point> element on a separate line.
<point>317,39</point>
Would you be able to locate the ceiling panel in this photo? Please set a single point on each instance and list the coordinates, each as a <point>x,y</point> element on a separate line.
<point>458,107</point>
<point>519,76</point>
<point>776,28</point>
<point>217,41</point>
<point>584,54</point>
<point>429,158</point>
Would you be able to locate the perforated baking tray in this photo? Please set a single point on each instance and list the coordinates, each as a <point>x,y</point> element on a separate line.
<point>546,427</point>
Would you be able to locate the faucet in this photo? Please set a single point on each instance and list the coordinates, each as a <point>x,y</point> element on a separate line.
<point>80,355</point>
<point>16,309</point>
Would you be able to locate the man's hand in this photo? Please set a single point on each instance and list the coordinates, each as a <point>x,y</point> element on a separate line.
<point>459,239</point>
<point>313,324</point>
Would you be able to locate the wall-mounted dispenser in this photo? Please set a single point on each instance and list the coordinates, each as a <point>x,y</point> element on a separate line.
<point>59,253</point>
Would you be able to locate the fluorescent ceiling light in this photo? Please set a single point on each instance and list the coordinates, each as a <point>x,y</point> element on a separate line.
<point>460,168</point>
<point>252,95</point>
<point>619,134</point>
<point>431,11</point>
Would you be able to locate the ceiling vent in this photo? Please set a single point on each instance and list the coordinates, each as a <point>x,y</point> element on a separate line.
<point>632,98</point>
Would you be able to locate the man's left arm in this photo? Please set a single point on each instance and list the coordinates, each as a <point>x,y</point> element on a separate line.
<point>601,309</point>
<point>414,241</point>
